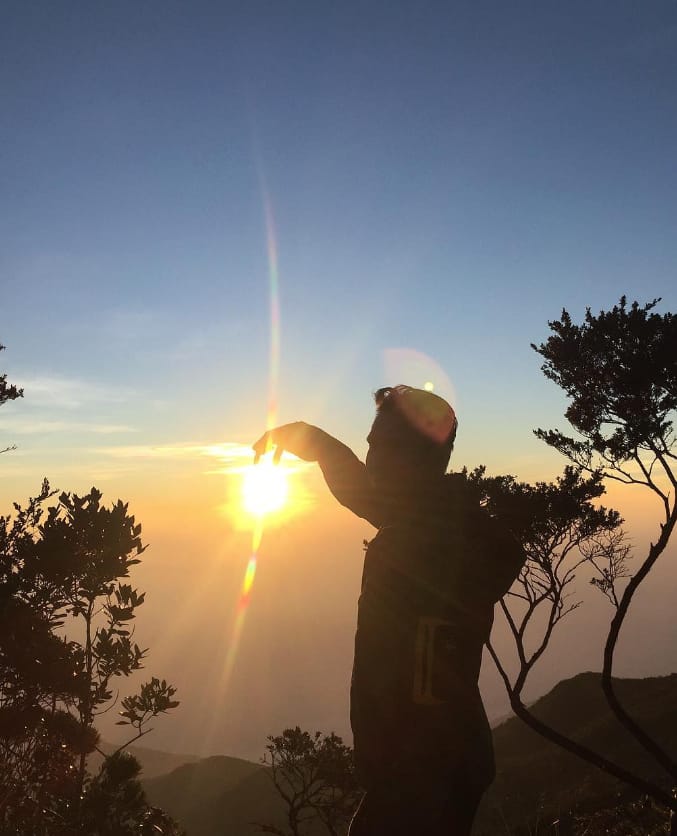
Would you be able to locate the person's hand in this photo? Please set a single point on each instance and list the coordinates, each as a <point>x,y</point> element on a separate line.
<point>299,438</point>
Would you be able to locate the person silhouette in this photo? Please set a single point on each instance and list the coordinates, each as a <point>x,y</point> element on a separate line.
<point>432,574</point>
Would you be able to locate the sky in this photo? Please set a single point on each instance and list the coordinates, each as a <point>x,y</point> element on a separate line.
<point>210,209</point>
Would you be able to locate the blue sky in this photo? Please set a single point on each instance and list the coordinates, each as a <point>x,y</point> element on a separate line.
<point>444,178</point>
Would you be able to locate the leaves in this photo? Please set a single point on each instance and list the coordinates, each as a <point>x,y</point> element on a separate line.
<point>154,697</point>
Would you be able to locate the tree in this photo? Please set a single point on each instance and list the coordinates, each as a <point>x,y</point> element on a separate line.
<point>8,392</point>
<point>115,803</point>
<point>39,679</point>
<point>67,611</point>
<point>89,549</point>
<point>315,776</point>
<point>619,371</point>
<point>562,531</point>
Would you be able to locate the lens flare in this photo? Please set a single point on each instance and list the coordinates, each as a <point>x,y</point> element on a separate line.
<point>265,485</point>
<point>241,611</point>
<point>414,368</point>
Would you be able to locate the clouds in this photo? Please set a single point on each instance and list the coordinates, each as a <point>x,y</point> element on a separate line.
<point>24,426</point>
<point>66,406</point>
<point>69,393</point>
<point>228,452</point>
<point>75,425</point>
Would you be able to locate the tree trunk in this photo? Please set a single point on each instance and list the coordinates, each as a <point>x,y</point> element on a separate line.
<point>652,747</point>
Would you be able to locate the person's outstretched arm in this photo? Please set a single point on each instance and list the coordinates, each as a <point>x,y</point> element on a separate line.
<point>344,473</point>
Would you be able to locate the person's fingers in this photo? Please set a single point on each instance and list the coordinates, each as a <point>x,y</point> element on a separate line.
<point>267,442</point>
<point>263,444</point>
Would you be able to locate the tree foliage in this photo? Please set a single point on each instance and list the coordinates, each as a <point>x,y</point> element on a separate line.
<point>315,777</point>
<point>619,371</point>
<point>39,680</point>
<point>115,803</point>
<point>8,391</point>
<point>67,639</point>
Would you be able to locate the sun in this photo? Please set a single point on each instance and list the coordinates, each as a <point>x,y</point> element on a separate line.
<point>264,488</point>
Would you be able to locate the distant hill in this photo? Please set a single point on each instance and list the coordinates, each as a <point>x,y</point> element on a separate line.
<point>215,790</point>
<point>153,761</point>
<point>222,796</point>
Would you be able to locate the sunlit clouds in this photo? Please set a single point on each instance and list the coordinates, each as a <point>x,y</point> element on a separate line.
<point>20,426</point>
<point>226,452</point>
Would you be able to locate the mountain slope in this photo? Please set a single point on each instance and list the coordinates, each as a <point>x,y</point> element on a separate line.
<point>189,791</point>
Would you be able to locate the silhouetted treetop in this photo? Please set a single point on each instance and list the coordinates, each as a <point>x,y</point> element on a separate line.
<point>538,514</point>
<point>66,642</point>
<point>619,369</point>
<point>8,391</point>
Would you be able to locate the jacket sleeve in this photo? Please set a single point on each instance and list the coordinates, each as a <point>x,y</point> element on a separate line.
<point>346,477</point>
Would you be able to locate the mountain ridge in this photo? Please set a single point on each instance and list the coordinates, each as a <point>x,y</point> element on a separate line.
<point>154,762</point>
